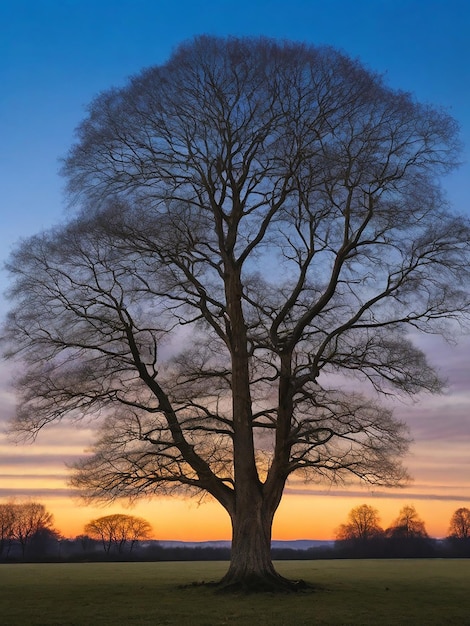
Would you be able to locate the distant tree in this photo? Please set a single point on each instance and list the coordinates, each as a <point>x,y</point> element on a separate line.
<point>407,536</point>
<point>45,543</point>
<point>459,527</point>
<point>408,525</point>
<point>118,530</point>
<point>362,525</point>
<point>253,219</point>
<point>138,529</point>
<point>87,543</point>
<point>6,527</point>
<point>30,519</point>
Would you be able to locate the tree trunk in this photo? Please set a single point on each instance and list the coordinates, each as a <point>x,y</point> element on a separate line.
<point>252,513</point>
<point>251,567</point>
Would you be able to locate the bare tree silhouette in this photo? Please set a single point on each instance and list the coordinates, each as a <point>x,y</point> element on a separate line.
<point>253,220</point>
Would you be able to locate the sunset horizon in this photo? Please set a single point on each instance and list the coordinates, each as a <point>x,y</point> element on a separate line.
<point>59,59</point>
<point>186,521</point>
<point>38,471</point>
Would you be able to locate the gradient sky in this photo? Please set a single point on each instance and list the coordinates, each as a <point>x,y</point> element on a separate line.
<point>56,55</point>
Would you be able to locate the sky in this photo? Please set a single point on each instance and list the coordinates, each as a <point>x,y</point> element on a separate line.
<point>56,55</point>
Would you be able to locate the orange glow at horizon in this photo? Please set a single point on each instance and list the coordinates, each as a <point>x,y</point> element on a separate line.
<point>298,517</point>
<point>306,511</point>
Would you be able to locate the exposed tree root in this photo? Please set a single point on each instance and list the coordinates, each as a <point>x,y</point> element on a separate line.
<point>257,584</point>
<point>263,585</point>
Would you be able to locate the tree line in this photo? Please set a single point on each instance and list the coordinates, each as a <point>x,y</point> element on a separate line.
<point>363,536</point>
<point>27,533</point>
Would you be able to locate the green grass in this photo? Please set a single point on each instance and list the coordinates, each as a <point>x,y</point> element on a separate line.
<point>405,592</point>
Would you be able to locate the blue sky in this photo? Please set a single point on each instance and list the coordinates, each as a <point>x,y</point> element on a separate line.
<point>56,55</point>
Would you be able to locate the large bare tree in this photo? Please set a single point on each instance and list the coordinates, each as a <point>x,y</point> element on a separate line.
<point>257,225</point>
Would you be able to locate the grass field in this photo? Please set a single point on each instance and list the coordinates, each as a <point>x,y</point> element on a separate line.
<point>362,592</point>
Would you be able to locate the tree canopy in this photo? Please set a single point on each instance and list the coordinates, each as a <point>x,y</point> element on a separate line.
<point>259,231</point>
<point>459,526</point>
<point>118,531</point>
<point>363,525</point>
<point>408,525</point>
<point>21,523</point>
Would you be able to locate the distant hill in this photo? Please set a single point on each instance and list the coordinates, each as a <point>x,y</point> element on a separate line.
<point>297,544</point>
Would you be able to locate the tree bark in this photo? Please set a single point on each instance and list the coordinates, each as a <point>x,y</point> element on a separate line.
<point>251,567</point>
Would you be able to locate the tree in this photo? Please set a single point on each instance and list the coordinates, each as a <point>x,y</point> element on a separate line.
<point>407,536</point>
<point>30,519</point>
<point>459,527</point>
<point>87,544</point>
<point>6,527</point>
<point>408,525</point>
<point>45,543</point>
<point>118,530</point>
<point>259,232</point>
<point>362,525</point>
